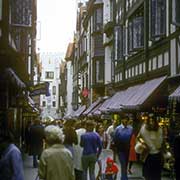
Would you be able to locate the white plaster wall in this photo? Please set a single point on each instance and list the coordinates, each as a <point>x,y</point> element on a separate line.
<point>69,87</point>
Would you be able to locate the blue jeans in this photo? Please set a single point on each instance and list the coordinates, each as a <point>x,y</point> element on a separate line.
<point>123,159</point>
<point>88,163</point>
<point>35,158</point>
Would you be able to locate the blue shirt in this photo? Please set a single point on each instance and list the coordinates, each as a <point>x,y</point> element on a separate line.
<point>11,164</point>
<point>91,143</point>
<point>122,137</point>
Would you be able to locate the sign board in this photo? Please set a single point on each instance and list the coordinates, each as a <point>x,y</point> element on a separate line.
<point>38,89</point>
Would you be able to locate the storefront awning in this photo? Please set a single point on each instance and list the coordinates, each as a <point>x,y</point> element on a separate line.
<point>175,95</point>
<point>96,111</point>
<point>91,107</point>
<point>79,111</point>
<point>133,97</point>
<point>12,76</point>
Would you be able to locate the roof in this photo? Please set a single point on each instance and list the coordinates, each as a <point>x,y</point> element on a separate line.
<point>69,52</point>
<point>175,95</point>
<point>132,97</point>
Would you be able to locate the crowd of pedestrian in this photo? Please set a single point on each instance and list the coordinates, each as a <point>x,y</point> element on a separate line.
<point>70,150</point>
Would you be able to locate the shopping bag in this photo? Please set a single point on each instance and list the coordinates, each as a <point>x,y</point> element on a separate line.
<point>141,148</point>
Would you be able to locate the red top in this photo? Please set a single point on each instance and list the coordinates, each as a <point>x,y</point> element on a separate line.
<point>111,168</point>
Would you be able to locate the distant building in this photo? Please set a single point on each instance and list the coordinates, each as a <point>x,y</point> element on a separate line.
<point>50,73</point>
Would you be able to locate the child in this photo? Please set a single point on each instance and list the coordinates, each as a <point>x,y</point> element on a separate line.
<point>111,169</point>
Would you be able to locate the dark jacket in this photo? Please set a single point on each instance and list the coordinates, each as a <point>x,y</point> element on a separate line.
<point>36,139</point>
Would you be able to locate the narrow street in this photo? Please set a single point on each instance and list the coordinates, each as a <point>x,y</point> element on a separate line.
<point>31,173</point>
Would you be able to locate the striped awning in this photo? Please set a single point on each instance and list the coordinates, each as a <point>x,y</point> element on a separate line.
<point>91,107</point>
<point>133,97</point>
<point>79,111</point>
<point>175,95</point>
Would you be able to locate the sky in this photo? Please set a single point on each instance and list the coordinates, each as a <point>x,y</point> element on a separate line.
<point>56,21</point>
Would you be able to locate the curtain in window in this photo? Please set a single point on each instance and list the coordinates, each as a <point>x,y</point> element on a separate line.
<point>138,32</point>
<point>130,36</point>
<point>176,12</point>
<point>158,18</point>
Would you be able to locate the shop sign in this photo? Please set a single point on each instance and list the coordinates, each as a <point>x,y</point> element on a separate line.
<point>39,89</point>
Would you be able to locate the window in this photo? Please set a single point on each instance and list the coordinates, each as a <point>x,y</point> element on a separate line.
<point>136,33</point>
<point>49,75</point>
<point>98,45</point>
<point>118,46</point>
<point>54,90</point>
<point>54,103</point>
<point>44,103</point>
<point>176,12</point>
<point>99,71</point>
<point>158,18</point>
<point>130,36</point>
<point>98,19</point>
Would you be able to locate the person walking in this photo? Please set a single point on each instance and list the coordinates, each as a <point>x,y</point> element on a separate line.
<point>70,135</point>
<point>11,164</point>
<point>92,147</point>
<point>152,136</point>
<point>80,129</point>
<point>56,162</point>
<point>132,152</point>
<point>122,137</point>
<point>36,141</point>
<point>110,132</point>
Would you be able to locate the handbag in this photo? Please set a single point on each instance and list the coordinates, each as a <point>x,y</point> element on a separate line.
<point>141,148</point>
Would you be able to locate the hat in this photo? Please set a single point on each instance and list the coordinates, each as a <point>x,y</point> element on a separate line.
<point>54,133</point>
<point>109,160</point>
